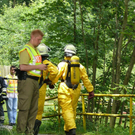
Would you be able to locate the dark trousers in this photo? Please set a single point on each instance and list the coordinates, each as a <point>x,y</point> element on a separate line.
<point>1,114</point>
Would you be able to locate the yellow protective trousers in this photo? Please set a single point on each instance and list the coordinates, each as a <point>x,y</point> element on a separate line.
<point>68,99</point>
<point>50,73</point>
<point>41,100</point>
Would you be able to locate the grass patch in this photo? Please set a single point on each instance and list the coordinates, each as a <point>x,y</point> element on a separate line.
<point>52,126</point>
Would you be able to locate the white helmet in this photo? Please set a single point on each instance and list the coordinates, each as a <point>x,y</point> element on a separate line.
<point>69,50</point>
<point>43,49</point>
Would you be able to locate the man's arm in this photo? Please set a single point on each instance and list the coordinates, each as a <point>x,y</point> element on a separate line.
<point>25,67</point>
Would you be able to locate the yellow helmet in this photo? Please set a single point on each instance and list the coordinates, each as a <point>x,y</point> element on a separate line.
<point>43,49</point>
<point>69,50</point>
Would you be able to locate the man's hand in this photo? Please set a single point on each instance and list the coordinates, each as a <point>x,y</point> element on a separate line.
<point>42,67</point>
<point>91,95</point>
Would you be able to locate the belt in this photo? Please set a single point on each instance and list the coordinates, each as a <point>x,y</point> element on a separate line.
<point>33,77</point>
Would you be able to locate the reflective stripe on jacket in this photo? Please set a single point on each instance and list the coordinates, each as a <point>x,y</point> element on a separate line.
<point>35,59</point>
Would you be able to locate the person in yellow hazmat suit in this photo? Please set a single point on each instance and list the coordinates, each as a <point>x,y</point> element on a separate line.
<point>70,73</point>
<point>47,76</point>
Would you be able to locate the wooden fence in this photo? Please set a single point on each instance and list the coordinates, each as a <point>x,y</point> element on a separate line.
<point>4,70</point>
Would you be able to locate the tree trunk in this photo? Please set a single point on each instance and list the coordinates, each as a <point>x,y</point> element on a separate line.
<point>86,52</point>
<point>133,88</point>
<point>128,74</point>
<point>13,5</point>
<point>74,21</point>
<point>113,68</point>
<point>115,105</point>
<point>108,109</point>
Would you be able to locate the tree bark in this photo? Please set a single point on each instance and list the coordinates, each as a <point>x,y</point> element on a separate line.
<point>128,74</point>
<point>86,52</point>
<point>74,21</point>
<point>115,103</point>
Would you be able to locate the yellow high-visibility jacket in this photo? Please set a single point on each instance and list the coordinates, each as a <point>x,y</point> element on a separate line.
<point>35,59</point>
<point>12,84</point>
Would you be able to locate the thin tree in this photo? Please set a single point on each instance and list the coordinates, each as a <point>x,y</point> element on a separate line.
<point>118,58</point>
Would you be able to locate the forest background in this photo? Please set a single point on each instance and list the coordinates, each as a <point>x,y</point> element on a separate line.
<point>103,32</point>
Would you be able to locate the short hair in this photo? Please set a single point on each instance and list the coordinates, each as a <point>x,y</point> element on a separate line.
<point>12,67</point>
<point>37,32</point>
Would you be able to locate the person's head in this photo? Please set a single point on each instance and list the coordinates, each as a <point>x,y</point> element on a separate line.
<point>43,49</point>
<point>12,70</point>
<point>36,37</point>
<point>69,50</point>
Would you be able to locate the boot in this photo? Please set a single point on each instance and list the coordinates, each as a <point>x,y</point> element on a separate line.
<point>67,133</point>
<point>36,126</point>
<point>72,131</point>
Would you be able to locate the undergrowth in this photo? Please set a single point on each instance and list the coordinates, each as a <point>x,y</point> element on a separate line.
<point>52,126</point>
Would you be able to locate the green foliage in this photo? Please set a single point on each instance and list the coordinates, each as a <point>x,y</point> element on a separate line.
<point>52,92</point>
<point>56,20</point>
<point>102,26</point>
<point>51,125</point>
<point>5,132</point>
